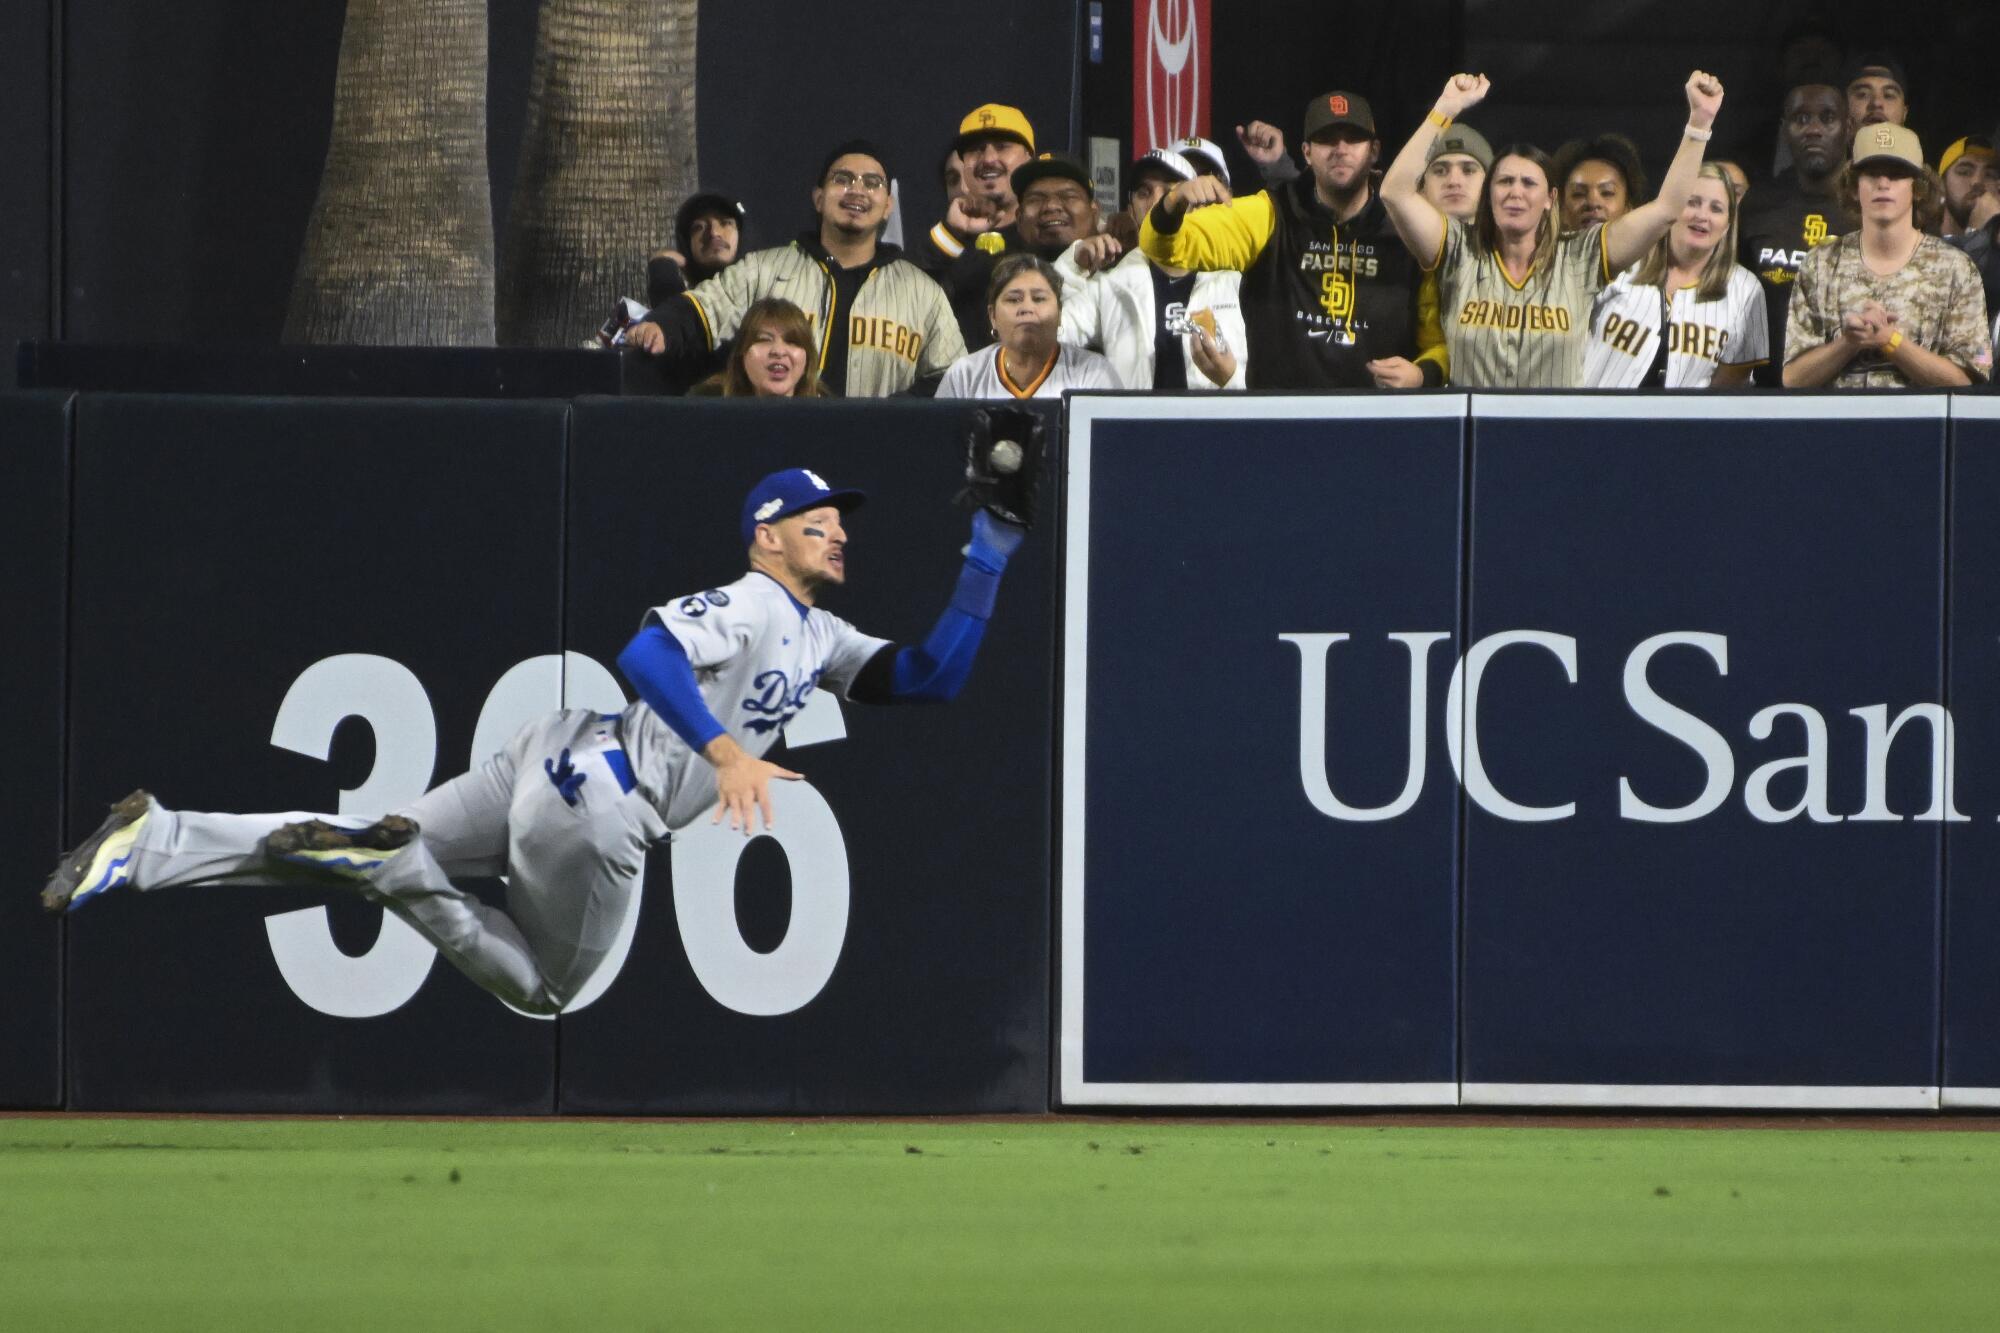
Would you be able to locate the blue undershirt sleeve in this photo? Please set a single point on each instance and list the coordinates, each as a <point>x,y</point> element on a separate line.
<point>659,669</point>
<point>935,670</point>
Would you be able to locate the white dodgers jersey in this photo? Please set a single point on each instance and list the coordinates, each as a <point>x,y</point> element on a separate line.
<point>758,655</point>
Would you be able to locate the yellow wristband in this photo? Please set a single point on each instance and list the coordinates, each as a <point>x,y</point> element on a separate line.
<point>1895,341</point>
<point>1439,119</point>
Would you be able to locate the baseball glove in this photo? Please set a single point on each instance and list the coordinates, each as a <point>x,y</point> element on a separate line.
<point>1003,463</point>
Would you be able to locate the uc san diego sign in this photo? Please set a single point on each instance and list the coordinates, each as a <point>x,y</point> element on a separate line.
<point>1569,750</point>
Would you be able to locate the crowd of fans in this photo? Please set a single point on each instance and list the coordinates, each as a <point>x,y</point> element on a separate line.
<point>1858,264</point>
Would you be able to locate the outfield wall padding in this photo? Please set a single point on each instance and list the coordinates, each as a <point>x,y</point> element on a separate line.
<point>927,992</point>
<point>1972,848</point>
<point>34,526</point>
<point>1689,866</point>
<point>278,603</point>
<point>1682,936</point>
<point>1233,573</point>
<point>1702,807</point>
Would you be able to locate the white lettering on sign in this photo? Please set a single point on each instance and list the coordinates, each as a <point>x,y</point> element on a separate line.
<point>1708,742</point>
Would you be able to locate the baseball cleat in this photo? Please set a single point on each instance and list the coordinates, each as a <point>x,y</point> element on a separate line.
<point>101,861</point>
<point>351,851</point>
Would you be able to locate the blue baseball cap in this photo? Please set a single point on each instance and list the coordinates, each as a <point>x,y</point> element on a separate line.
<point>788,492</point>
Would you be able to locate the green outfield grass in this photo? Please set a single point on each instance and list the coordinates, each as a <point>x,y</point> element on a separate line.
<point>389,1225</point>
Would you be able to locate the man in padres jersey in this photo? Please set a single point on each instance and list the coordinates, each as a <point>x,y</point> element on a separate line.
<point>1787,218</point>
<point>1328,290</point>
<point>882,324</point>
<point>569,808</point>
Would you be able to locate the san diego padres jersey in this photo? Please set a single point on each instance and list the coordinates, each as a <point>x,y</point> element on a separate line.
<point>1321,297</point>
<point>1702,335</point>
<point>1528,335</point>
<point>1937,297</point>
<point>980,375</point>
<point>1780,226</point>
<point>758,655</point>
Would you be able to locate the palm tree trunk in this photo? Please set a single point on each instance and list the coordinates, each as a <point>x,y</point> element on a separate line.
<point>399,249</point>
<point>608,151</point>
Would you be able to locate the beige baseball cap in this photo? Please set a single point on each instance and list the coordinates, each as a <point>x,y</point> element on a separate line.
<point>1888,143</point>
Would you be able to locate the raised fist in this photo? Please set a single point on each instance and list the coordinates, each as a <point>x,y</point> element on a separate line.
<point>1196,193</point>
<point>1462,93</point>
<point>1264,142</point>
<point>969,216</point>
<point>1704,94</point>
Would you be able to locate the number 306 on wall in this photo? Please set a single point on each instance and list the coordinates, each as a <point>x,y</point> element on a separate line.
<point>387,696</point>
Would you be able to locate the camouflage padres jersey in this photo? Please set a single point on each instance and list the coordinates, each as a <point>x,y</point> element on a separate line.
<point>758,654</point>
<point>1937,298</point>
<point>1527,335</point>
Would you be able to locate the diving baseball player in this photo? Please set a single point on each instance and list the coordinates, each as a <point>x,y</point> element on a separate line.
<point>570,806</point>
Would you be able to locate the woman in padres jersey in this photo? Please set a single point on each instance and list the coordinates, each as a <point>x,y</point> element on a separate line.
<point>1024,301</point>
<point>1690,288</point>
<point>1515,291</point>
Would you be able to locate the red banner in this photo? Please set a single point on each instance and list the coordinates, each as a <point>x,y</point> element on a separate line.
<point>1170,44</point>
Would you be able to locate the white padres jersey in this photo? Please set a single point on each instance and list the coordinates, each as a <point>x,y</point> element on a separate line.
<point>757,655</point>
<point>979,375</point>
<point>1702,335</point>
<point>1527,335</point>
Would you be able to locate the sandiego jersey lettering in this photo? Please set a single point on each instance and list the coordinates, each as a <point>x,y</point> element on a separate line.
<point>899,340</point>
<point>1530,334</point>
<point>1499,315</point>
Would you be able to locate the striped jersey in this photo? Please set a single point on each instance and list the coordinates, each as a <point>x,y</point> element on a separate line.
<point>1527,335</point>
<point>899,329</point>
<point>1701,335</point>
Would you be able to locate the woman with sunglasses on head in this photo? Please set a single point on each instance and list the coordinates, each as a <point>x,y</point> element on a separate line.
<point>1690,289</point>
<point>1888,306</point>
<point>1516,291</point>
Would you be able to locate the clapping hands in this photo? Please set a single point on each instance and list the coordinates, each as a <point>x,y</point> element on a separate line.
<point>1869,326</point>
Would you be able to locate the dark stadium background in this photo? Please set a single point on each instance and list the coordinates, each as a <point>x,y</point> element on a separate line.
<point>159,162</point>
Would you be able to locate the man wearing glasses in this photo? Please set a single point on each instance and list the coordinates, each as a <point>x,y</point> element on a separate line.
<point>881,323</point>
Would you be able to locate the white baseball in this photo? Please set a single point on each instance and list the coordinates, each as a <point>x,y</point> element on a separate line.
<point>1006,456</point>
